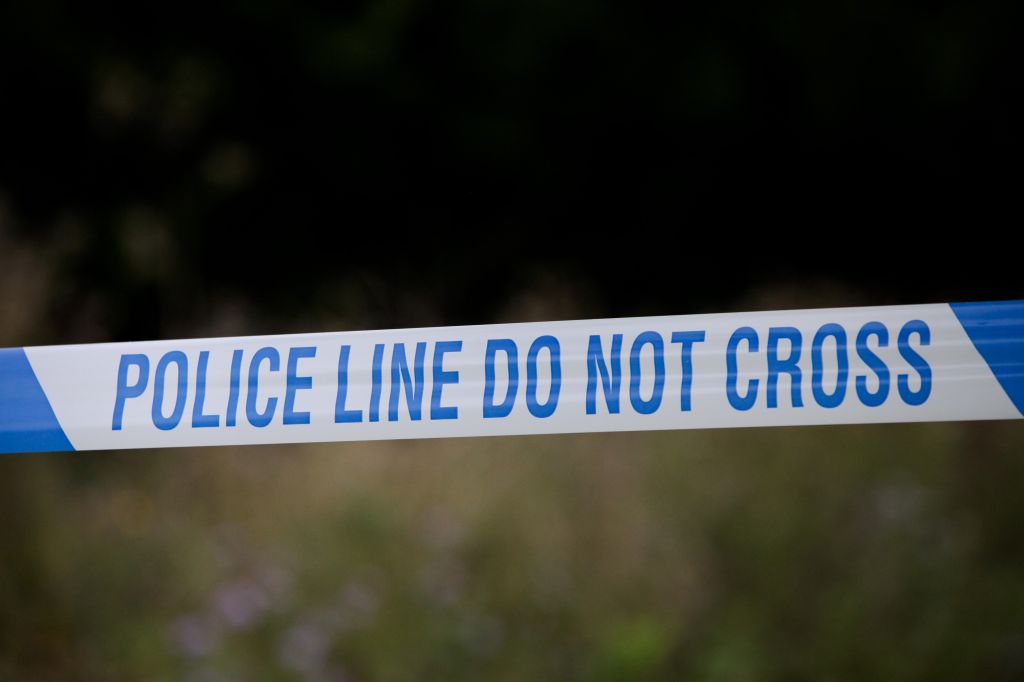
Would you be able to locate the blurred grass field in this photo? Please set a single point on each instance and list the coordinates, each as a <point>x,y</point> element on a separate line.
<point>822,553</point>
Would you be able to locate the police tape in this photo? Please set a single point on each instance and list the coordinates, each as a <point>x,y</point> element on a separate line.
<point>961,361</point>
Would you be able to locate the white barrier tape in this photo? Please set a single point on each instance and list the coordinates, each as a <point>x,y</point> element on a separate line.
<point>829,366</point>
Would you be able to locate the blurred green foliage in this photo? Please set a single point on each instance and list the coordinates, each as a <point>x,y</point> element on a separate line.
<point>822,553</point>
<point>272,166</point>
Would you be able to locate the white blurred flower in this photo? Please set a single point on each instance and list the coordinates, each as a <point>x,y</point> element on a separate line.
<point>195,636</point>
<point>241,604</point>
<point>303,648</point>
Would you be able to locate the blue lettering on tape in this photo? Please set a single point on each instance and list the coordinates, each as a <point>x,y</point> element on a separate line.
<point>494,410</point>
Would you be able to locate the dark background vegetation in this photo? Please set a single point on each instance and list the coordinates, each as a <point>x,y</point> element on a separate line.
<point>264,167</point>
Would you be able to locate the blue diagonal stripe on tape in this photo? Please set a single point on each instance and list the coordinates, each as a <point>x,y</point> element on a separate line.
<point>27,422</point>
<point>997,331</point>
